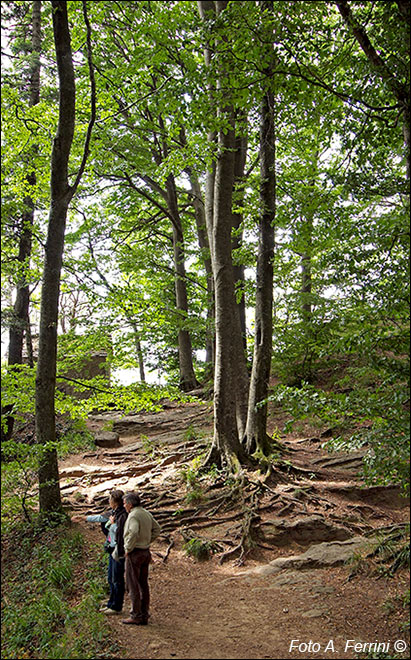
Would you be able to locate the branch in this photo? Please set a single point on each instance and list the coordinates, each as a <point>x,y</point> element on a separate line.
<point>124,109</point>
<point>86,149</point>
<point>173,272</point>
<point>89,387</point>
<point>151,199</point>
<point>373,57</point>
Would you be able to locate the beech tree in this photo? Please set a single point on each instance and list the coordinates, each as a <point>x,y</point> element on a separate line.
<point>231,380</point>
<point>61,194</point>
<point>394,79</point>
<point>256,432</point>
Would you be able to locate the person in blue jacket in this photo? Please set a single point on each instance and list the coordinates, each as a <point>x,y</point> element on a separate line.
<point>113,527</point>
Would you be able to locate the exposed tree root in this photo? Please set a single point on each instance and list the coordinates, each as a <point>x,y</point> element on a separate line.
<point>170,545</point>
<point>248,536</point>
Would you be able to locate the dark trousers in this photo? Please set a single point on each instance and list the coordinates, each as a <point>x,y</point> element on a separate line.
<point>137,563</point>
<point>115,576</point>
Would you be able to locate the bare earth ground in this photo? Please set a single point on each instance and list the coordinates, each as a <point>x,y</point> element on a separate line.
<point>212,610</point>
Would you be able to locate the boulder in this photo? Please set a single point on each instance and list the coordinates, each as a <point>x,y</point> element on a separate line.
<point>107,439</point>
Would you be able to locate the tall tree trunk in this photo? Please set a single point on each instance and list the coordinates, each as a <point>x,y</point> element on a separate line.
<point>188,379</point>
<point>20,323</point>
<point>256,435</point>
<point>199,212</point>
<point>61,195</point>
<point>207,12</point>
<point>226,442</point>
<point>230,360</point>
<point>306,288</point>
<point>239,166</point>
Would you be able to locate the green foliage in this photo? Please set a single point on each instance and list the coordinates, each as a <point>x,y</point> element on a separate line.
<point>73,438</point>
<point>39,614</point>
<point>386,552</point>
<point>191,433</point>
<point>341,263</point>
<point>127,398</point>
<point>18,391</point>
<point>19,468</point>
<point>191,476</point>
<point>200,549</point>
<point>374,409</point>
<point>392,550</point>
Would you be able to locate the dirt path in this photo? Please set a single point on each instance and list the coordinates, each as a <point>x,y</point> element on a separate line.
<point>208,610</point>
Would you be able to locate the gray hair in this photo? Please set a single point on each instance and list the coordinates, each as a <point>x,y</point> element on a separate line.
<point>132,498</point>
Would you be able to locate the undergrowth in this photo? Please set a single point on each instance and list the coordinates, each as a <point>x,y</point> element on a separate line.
<point>19,487</point>
<point>50,595</point>
<point>387,552</point>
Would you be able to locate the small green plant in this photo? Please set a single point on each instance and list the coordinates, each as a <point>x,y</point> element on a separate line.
<point>190,476</point>
<point>108,426</point>
<point>385,553</point>
<point>200,549</point>
<point>191,434</point>
<point>358,563</point>
<point>74,439</point>
<point>148,445</point>
<point>194,495</point>
<point>389,606</point>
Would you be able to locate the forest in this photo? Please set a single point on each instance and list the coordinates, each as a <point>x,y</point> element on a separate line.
<point>205,278</point>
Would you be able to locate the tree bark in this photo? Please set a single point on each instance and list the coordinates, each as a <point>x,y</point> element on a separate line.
<point>230,364</point>
<point>188,379</point>
<point>256,434</point>
<point>199,212</point>
<point>225,384</point>
<point>139,351</point>
<point>239,166</point>
<point>207,11</point>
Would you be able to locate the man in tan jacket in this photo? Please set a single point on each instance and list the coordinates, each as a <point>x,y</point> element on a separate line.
<point>139,532</point>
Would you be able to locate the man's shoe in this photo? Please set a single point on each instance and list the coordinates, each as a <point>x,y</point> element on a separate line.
<point>135,622</point>
<point>108,610</point>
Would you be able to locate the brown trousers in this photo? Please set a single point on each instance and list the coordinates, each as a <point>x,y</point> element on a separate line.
<point>137,563</point>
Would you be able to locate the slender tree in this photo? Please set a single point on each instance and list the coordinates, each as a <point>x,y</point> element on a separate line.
<point>61,195</point>
<point>20,321</point>
<point>201,225</point>
<point>256,433</point>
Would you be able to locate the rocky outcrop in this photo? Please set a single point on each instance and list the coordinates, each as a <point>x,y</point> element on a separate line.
<point>303,530</point>
<point>318,556</point>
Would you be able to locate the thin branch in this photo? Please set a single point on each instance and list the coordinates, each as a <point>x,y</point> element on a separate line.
<point>86,149</point>
<point>89,387</point>
<point>132,105</point>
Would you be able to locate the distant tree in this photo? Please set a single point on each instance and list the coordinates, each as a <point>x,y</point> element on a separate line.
<point>20,319</point>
